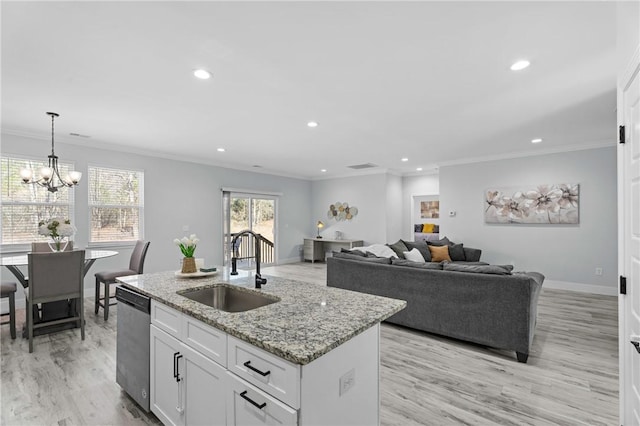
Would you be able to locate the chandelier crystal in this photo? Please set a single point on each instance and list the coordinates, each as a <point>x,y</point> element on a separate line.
<point>49,177</point>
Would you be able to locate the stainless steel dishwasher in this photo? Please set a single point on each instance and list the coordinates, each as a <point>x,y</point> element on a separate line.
<point>132,352</point>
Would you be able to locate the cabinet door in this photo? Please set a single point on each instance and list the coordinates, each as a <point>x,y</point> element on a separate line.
<point>204,389</point>
<point>165,396</point>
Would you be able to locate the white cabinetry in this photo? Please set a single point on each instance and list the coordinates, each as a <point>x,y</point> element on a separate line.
<point>187,388</point>
<point>202,376</point>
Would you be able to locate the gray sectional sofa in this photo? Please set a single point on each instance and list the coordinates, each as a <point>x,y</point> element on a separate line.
<point>494,307</point>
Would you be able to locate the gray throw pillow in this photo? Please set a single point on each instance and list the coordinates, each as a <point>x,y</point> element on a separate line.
<point>441,242</point>
<point>478,269</point>
<point>398,247</point>
<point>456,252</point>
<point>421,246</point>
<point>384,260</point>
<point>354,252</point>
<point>420,265</point>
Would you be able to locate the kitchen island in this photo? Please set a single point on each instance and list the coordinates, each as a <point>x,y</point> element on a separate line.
<point>312,357</point>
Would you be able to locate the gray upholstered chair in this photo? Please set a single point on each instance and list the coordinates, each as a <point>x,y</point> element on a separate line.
<point>8,290</point>
<point>53,277</point>
<point>136,266</point>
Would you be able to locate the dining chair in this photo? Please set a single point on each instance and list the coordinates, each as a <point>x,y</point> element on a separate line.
<point>136,266</point>
<point>8,290</point>
<point>53,277</point>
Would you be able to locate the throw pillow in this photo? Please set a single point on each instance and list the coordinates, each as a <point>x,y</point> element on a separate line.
<point>420,265</point>
<point>439,253</point>
<point>383,260</point>
<point>355,252</point>
<point>441,242</point>
<point>456,252</point>
<point>427,228</point>
<point>398,247</point>
<point>413,255</point>
<point>436,229</point>
<point>421,246</point>
<point>417,228</point>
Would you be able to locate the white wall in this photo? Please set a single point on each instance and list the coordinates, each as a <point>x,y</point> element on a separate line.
<point>177,193</point>
<point>413,187</point>
<point>394,208</point>
<point>566,254</point>
<point>378,198</point>
<point>367,193</point>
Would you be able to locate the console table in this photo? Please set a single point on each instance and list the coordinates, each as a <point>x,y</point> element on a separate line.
<point>315,248</point>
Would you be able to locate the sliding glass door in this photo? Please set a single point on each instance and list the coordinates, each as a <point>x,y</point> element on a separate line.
<point>254,212</point>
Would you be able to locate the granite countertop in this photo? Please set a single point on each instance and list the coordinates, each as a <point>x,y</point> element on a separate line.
<point>309,321</point>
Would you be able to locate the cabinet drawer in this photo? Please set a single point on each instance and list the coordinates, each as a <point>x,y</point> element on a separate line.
<point>206,339</point>
<point>268,372</point>
<point>166,319</point>
<point>248,405</point>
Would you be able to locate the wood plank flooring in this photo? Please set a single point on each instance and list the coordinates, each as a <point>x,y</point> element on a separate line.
<point>571,377</point>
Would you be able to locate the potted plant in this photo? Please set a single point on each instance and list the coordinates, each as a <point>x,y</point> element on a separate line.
<point>188,247</point>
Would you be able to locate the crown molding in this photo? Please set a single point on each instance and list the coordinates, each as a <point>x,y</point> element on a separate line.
<point>512,155</point>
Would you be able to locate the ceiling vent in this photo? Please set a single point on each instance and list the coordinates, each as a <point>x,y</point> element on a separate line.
<point>362,166</point>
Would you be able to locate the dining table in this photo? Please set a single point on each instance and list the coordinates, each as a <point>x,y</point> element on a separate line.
<point>51,310</point>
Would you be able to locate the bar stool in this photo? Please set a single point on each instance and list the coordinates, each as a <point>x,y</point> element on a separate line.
<point>8,289</point>
<point>136,266</point>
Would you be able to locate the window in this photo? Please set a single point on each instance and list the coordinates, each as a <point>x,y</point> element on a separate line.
<point>115,204</point>
<point>23,206</point>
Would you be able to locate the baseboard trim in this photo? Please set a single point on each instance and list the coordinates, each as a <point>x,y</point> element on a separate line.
<point>582,288</point>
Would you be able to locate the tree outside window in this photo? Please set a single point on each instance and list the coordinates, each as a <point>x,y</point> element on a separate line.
<point>115,204</point>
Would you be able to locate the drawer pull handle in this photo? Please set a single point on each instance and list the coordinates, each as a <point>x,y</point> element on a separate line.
<point>255,404</point>
<point>250,367</point>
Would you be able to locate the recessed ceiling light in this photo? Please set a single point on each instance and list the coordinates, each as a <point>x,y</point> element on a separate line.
<point>404,159</point>
<point>323,170</point>
<point>538,140</point>
<point>221,149</point>
<point>312,124</point>
<point>419,169</point>
<point>520,65</point>
<point>202,74</point>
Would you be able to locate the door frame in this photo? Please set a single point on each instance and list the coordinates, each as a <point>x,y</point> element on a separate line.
<point>250,193</point>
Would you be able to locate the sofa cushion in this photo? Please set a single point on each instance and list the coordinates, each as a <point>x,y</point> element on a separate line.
<point>414,255</point>
<point>417,228</point>
<point>421,246</point>
<point>439,253</point>
<point>383,260</point>
<point>399,247</point>
<point>420,265</point>
<point>478,269</point>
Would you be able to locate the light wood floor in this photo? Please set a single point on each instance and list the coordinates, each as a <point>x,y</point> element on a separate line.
<point>571,377</point>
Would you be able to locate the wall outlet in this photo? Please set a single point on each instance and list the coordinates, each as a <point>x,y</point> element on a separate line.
<point>598,271</point>
<point>185,228</point>
<point>347,381</point>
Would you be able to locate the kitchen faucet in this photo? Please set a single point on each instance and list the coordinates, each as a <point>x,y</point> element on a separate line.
<point>259,280</point>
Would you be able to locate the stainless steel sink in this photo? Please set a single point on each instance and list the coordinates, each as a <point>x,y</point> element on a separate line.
<point>228,298</point>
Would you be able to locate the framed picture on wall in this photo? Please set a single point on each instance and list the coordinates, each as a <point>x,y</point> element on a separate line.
<point>429,209</point>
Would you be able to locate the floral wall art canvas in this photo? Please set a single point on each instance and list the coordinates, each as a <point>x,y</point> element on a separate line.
<point>543,204</point>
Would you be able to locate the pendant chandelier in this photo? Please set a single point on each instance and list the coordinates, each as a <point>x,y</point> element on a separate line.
<point>49,177</point>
